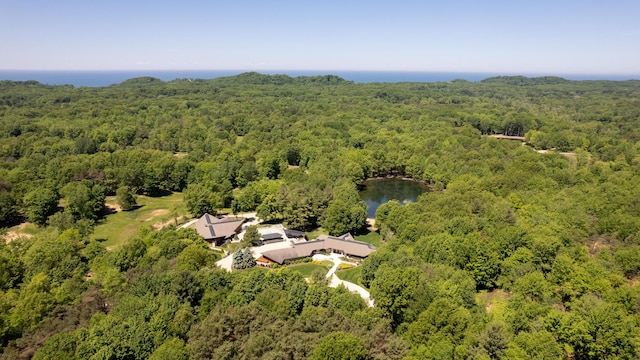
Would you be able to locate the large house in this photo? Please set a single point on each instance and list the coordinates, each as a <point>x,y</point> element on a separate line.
<point>216,230</point>
<point>344,244</point>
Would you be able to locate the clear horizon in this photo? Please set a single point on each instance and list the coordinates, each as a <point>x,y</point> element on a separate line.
<point>110,77</point>
<point>319,71</point>
<point>545,37</point>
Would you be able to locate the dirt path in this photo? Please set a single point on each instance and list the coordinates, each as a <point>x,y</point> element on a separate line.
<point>371,224</point>
<point>569,155</point>
<point>113,207</point>
<point>111,204</point>
<point>154,214</point>
<point>334,281</point>
<point>9,236</point>
<point>507,137</point>
<point>162,225</point>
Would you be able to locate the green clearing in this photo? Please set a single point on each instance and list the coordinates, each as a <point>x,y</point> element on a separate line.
<point>119,227</point>
<point>307,269</point>
<point>370,237</point>
<point>494,302</point>
<point>26,229</point>
<point>30,229</point>
<point>350,275</point>
<point>312,235</point>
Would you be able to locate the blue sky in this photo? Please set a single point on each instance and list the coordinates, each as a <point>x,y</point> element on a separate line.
<point>533,37</point>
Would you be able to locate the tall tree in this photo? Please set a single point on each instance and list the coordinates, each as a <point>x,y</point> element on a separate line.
<point>342,217</point>
<point>125,198</point>
<point>40,204</point>
<point>199,200</point>
<point>243,259</point>
<point>347,212</point>
<point>8,210</point>
<point>339,346</point>
<point>494,340</point>
<point>251,236</point>
<point>393,290</point>
<point>84,200</point>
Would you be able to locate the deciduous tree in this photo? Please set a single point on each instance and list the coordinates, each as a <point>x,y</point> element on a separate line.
<point>339,346</point>
<point>125,198</point>
<point>40,204</point>
<point>199,200</point>
<point>251,236</point>
<point>84,200</point>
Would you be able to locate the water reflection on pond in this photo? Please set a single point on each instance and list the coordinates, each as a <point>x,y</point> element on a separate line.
<point>378,191</point>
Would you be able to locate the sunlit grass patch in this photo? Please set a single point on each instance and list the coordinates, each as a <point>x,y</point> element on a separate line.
<point>119,227</point>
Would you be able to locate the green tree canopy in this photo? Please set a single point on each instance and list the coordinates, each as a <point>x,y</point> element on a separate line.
<point>125,198</point>
<point>243,259</point>
<point>40,204</point>
<point>339,346</point>
<point>251,236</point>
<point>199,200</point>
<point>83,200</point>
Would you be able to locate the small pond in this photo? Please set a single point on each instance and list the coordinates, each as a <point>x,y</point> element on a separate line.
<point>376,192</point>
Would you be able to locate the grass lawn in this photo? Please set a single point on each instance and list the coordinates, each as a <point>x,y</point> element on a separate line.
<point>307,269</point>
<point>312,235</point>
<point>370,237</point>
<point>118,228</point>
<point>350,275</point>
<point>231,247</point>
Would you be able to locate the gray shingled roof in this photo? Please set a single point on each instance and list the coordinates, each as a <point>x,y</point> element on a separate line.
<point>271,236</point>
<point>346,244</point>
<point>324,242</point>
<point>211,227</point>
<point>293,233</point>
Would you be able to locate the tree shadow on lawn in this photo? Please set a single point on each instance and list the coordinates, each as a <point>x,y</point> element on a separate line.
<point>157,193</point>
<point>108,210</point>
<point>364,231</point>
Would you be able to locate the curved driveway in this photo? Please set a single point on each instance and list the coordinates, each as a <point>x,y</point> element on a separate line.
<point>334,281</point>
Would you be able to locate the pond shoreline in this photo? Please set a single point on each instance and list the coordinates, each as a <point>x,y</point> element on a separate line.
<point>379,190</point>
<point>361,185</point>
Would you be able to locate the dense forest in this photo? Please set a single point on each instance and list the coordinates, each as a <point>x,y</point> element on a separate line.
<point>516,253</point>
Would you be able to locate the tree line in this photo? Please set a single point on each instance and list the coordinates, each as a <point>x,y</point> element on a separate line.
<point>514,254</point>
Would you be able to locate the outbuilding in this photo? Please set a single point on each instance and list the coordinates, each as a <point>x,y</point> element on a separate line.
<point>216,230</point>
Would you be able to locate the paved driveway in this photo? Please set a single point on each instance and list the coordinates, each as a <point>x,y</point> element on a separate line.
<point>187,224</point>
<point>334,281</point>
<point>226,262</point>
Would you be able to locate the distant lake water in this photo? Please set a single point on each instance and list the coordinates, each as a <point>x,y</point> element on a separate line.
<point>379,191</point>
<point>106,78</point>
